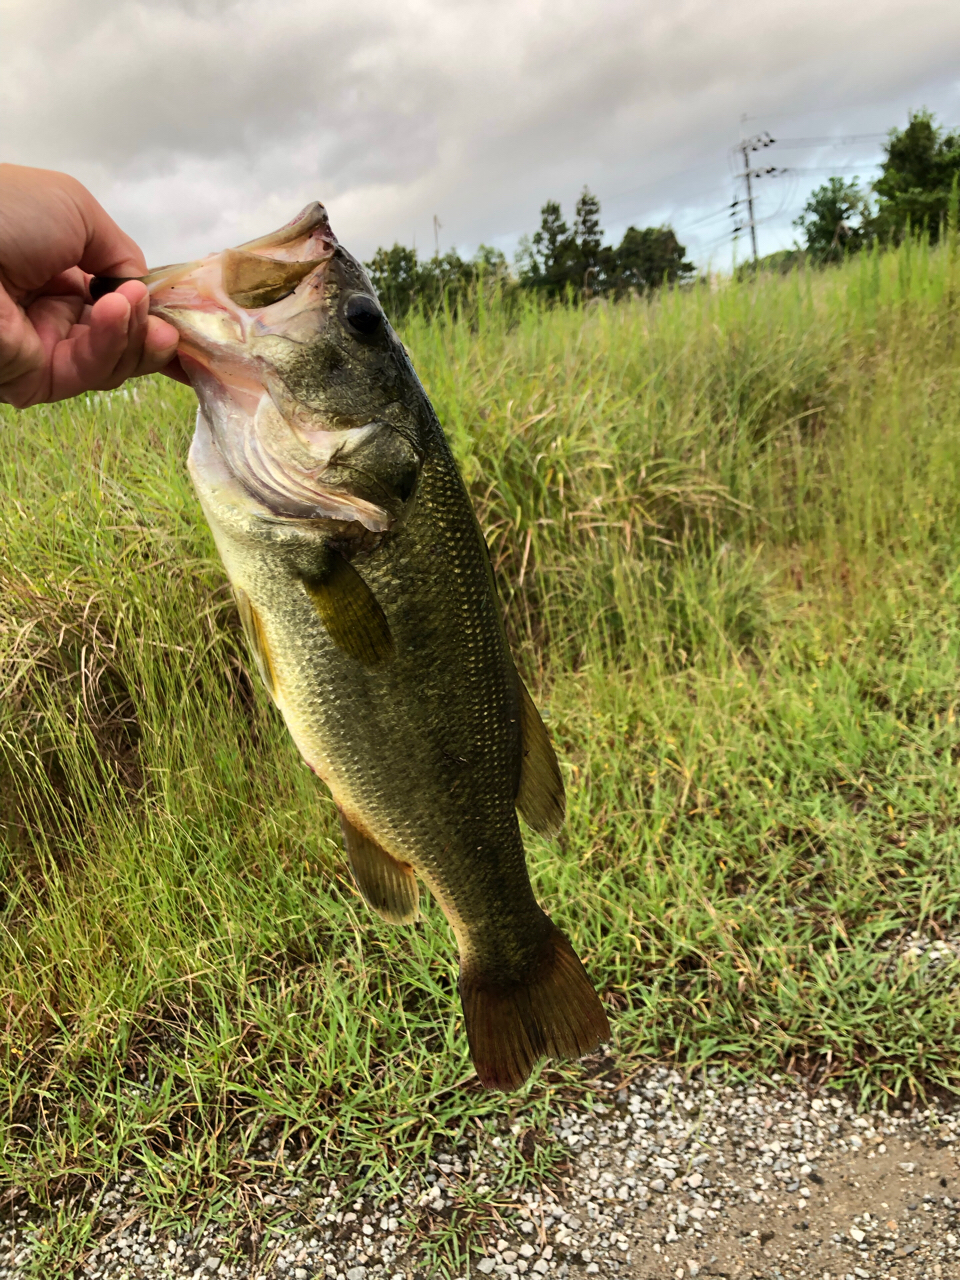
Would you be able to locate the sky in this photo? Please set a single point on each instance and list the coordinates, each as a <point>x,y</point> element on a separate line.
<point>202,123</point>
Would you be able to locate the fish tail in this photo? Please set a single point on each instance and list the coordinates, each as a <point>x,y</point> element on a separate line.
<point>553,1012</point>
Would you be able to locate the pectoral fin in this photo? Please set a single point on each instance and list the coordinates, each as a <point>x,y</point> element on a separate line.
<point>256,639</point>
<point>350,612</point>
<point>540,798</point>
<point>387,886</point>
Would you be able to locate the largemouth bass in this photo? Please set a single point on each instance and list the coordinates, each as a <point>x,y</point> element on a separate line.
<point>368,602</point>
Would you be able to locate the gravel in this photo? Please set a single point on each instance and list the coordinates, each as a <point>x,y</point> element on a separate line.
<point>661,1177</point>
<point>930,953</point>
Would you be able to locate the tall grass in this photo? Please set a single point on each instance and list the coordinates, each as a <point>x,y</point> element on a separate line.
<point>726,532</point>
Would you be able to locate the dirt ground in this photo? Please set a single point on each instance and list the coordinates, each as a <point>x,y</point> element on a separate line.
<point>909,1189</point>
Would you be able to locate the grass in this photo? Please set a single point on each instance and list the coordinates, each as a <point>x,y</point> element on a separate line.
<point>727,530</point>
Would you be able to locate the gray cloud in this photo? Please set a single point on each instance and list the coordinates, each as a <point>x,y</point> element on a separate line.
<point>200,122</point>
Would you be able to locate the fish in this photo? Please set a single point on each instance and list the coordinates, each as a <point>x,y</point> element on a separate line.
<point>368,601</point>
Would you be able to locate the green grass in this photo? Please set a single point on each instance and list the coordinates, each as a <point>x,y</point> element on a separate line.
<point>727,532</point>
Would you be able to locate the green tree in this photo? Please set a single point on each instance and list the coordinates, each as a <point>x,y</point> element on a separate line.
<point>490,263</point>
<point>835,220</point>
<point>397,277</point>
<point>922,163</point>
<point>403,281</point>
<point>558,258</point>
<point>446,277</point>
<point>593,261</point>
<point>549,259</point>
<point>646,258</point>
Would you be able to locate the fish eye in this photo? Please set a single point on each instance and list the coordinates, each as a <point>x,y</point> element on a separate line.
<point>363,315</point>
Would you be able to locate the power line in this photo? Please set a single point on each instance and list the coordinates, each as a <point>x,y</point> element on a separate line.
<point>789,143</point>
<point>846,141</point>
<point>677,173</point>
<point>815,111</point>
<point>748,175</point>
<point>830,168</point>
<point>707,217</point>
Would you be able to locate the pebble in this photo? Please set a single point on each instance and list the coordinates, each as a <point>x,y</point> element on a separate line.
<point>665,1176</point>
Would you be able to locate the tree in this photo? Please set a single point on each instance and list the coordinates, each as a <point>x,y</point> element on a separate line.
<point>396,275</point>
<point>402,281</point>
<point>648,257</point>
<point>490,262</point>
<point>558,259</point>
<point>588,238</point>
<point>835,220</point>
<point>550,259</point>
<point>921,165</point>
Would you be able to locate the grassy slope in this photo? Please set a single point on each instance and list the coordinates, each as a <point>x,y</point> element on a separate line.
<point>726,527</point>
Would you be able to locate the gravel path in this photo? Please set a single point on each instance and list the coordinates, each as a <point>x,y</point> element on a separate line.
<point>662,1178</point>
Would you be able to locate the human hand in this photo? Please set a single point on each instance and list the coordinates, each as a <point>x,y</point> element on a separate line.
<point>53,342</point>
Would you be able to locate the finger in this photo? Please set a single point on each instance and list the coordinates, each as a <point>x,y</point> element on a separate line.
<point>52,318</point>
<point>88,361</point>
<point>27,341</point>
<point>72,283</point>
<point>138,356</point>
<point>159,348</point>
<point>175,371</point>
<point>121,341</point>
<point>20,349</point>
<point>58,357</point>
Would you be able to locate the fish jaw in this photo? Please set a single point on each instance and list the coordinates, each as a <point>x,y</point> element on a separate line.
<point>216,329</point>
<point>244,315</point>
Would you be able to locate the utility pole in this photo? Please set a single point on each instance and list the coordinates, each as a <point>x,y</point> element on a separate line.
<point>753,221</point>
<point>746,146</point>
<point>437,224</point>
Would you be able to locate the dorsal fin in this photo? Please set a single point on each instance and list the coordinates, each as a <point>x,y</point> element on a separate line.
<point>256,640</point>
<point>350,612</point>
<point>387,886</point>
<point>540,797</point>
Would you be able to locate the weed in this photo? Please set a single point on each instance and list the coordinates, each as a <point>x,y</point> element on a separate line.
<point>725,531</point>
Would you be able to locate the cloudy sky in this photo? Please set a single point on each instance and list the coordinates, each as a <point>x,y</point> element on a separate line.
<point>200,123</point>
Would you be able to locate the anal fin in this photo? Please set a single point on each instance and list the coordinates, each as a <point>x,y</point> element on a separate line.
<point>350,612</point>
<point>540,797</point>
<point>387,886</point>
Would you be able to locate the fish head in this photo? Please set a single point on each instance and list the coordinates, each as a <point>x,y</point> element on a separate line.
<point>307,398</point>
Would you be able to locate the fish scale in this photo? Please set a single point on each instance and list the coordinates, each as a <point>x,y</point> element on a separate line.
<point>368,601</point>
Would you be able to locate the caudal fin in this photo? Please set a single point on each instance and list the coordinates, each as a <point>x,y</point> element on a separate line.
<point>555,1014</point>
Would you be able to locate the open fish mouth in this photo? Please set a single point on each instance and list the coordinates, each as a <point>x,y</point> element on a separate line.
<point>254,275</point>
<point>258,288</point>
<point>244,315</point>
